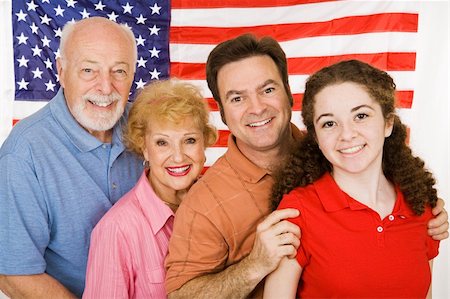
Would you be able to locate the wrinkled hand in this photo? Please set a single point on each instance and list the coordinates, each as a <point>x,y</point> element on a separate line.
<point>275,239</point>
<point>438,227</point>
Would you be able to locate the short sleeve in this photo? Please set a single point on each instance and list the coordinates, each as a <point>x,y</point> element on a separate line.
<point>196,247</point>
<point>24,219</point>
<point>292,201</point>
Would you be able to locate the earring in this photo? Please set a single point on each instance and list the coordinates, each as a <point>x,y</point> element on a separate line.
<point>146,164</point>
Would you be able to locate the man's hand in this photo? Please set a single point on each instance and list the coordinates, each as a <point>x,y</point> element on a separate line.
<point>438,226</point>
<point>275,239</point>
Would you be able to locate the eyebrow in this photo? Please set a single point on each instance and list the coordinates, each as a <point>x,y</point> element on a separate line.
<point>261,86</point>
<point>352,110</point>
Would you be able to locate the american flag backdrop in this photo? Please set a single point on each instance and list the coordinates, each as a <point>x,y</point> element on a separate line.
<point>175,37</point>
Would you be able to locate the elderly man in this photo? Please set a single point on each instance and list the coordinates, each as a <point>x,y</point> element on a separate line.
<point>65,166</point>
<point>224,240</point>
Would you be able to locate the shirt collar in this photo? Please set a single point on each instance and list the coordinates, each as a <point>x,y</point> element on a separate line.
<point>334,199</point>
<point>79,137</point>
<point>249,171</point>
<point>154,210</point>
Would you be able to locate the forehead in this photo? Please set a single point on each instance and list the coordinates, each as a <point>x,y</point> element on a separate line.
<point>247,73</point>
<point>342,94</point>
<point>161,124</point>
<point>100,44</point>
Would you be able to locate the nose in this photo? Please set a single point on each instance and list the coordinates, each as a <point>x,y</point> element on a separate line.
<point>178,153</point>
<point>104,83</point>
<point>256,105</point>
<point>348,132</point>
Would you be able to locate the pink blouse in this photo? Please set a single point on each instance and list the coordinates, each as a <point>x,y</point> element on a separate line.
<point>128,247</point>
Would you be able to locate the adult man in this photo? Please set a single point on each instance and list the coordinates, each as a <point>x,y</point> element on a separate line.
<point>215,251</point>
<point>65,166</point>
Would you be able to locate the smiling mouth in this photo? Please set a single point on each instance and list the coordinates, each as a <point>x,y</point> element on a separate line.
<point>352,150</point>
<point>101,104</point>
<point>178,171</point>
<point>260,123</point>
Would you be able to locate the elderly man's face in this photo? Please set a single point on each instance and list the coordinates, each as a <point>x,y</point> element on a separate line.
<point>96,73</point>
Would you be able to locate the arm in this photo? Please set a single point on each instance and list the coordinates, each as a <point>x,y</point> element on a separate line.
<point>429,296</point>
<point>275,239</point>
<point>438,227</point>
<point>33,286</point>
<point>283,282</point>
<point>108,267</point>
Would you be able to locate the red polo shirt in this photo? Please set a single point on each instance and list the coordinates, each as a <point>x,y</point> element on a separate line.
<point>348,251</point>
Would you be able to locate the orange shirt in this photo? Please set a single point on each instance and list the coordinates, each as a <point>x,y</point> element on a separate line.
<point>216,223</point>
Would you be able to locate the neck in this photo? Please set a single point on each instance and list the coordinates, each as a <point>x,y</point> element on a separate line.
<point>270,158</point>
<point>369,188</point>
<point>172,198</point>
<point>103,136</point>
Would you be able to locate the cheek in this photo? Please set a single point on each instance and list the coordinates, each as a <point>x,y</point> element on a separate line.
<point>197,155</point>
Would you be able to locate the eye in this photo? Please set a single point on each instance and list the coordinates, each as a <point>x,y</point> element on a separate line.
<point>191,140</point>
<point>87,74</point>
<point>235,100</point>
<point>360,116</point>
<point>120,74</point>
<point>328,124</point>
<point>161,143</point>
<point>269,90</point>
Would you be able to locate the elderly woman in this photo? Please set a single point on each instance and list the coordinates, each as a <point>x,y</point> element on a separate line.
<point>168,127</point>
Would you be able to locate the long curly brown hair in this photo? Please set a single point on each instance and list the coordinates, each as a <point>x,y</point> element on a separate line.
<point>306,163</point>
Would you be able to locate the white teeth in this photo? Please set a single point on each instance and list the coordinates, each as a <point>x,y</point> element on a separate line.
<point>101,104</point>
<point>178,169</point>
<point>261,123</point>
<point>352,149</point>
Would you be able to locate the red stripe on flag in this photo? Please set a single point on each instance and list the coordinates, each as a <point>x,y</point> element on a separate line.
<point>385,61</point>
<point>389,22</point>
<point>308,65</point>
<point>176,4</point>
<point>223,138</point>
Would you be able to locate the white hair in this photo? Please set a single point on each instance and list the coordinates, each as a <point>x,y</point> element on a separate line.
<point>69,28</point>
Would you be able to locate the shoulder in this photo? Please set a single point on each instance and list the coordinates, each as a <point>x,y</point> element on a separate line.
<point>298,196</point>
<point>205,193</point>
<point>27,131</point>
<point>122,216</point>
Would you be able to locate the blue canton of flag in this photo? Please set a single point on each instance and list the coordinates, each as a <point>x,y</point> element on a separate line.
<point>37,27</point>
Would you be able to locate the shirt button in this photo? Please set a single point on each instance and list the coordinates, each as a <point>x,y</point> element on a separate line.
<point>379,229</point>
<point>391,217</point>
<point>104,146</point>
<point>114,186</point>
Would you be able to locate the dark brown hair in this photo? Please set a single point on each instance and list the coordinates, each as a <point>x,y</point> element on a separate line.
<point>306,163</point>
<point>241,47</point>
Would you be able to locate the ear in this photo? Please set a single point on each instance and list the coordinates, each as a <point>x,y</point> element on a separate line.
<point>59,68</point>
<point>145,153</point>
<point>389,126</point>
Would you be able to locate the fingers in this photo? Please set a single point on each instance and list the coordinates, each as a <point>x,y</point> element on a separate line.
<point>439,232</point>
<point>277,216</point>
<point>289,239</point>
<point>439,207</point>
<point>440,237</point>
<point>275,239</point>
<point>440,222</point>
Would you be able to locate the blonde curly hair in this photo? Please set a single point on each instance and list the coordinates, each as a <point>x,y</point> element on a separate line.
<point>166,101</point>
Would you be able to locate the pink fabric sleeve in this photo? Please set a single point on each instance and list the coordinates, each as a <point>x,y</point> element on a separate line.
<point>108,269</point>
